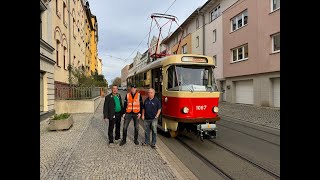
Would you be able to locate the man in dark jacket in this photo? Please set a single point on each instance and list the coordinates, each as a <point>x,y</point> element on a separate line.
<point>112,112</point>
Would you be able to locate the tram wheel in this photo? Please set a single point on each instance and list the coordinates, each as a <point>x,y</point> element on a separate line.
<point>173,133</point>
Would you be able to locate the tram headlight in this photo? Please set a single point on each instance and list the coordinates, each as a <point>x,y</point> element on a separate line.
<point>215,109</point>
<point>185,110</point>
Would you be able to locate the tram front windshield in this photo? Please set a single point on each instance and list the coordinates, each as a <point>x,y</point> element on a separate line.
<point>191,78</point>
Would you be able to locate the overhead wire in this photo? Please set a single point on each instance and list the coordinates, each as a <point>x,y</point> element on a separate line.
<point>148,33</point>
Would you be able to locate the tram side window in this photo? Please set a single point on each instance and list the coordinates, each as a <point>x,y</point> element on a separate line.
<point>172,80</point>
<point>136,80</point>
<point>141,84</point>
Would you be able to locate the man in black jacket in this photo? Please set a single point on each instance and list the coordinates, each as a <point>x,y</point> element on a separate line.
<point>112,112</point>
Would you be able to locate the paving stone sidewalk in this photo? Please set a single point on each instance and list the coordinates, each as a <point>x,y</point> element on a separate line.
<point>264,116</point>
<point>82,152</point>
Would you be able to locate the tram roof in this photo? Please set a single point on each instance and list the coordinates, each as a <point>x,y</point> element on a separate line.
<point>166,61</point>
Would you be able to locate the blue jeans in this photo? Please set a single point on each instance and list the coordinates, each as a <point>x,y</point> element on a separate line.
<point>150,123</point>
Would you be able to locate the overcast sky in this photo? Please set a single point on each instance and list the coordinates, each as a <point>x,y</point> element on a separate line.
<point>123,24</point>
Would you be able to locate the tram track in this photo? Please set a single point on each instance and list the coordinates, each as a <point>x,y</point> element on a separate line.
<point>248,123</point>
<point>261,167</point>
<point>262,139</point>
<point>210,164</point>
<point>266,134</point>
<point>227,172</point>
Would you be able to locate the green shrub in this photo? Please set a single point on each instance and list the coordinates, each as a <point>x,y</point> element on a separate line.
<point>61,116</point>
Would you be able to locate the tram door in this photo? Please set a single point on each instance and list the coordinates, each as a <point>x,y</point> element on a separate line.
<point>156,85</point>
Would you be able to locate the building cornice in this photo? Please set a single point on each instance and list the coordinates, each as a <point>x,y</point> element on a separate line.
<point>46,46</point>
<point>46,58</point>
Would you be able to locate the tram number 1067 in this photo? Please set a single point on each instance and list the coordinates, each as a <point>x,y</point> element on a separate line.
<point>201,107</point>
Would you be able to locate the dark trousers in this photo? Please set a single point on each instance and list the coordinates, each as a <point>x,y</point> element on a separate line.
<point>127,119</point>
<point>114,121</point>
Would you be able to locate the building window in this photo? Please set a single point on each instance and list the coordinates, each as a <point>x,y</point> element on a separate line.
<point>214,36</point>
<point>74,27</point>
<point>64,57</point>
<point>57,8</point>
<point>276,42</point>
<point>64,14</point>
<point>215,13</point>
<point>275,5</point>
<point>184,49</point>
<point>215,60</point>
<point>239,21</point>
<point>240,53</point>
<point>41,92</point>
<point>197,38</point>
<point>197,23</point>
<point>57,52</point>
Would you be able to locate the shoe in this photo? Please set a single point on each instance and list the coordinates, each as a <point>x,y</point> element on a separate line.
<point>153,146</point>
<point>144,144</point>
<point>136,142</point>
<point>122,143</point>
<point>111,145</point>
<point>117,141</point>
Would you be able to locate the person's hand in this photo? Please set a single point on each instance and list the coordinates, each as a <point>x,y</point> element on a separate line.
<point>106,119</point>
<point>157,117</point>
<point>142,117</point>
<point>139,115</point>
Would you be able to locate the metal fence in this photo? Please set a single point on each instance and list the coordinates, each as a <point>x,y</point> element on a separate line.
<point>76,93</point>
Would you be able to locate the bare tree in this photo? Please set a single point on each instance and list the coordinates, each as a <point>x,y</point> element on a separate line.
<point>116,81</point>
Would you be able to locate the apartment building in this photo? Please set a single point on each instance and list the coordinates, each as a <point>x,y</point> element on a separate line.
<point>251,52</point>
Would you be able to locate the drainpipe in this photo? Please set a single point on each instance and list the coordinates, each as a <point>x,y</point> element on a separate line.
<point>69,17</point>
<point>203,34</point>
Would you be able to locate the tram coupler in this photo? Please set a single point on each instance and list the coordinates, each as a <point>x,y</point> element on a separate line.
<point>207,131</point>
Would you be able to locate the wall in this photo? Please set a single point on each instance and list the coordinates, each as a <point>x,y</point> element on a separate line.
<point>77,106</point>
<point>78,46</point>
<point>261,24</point>
<point>99,66</point>
<point>215,48</point>
<point>61,33</point>
<point>262,88</point>
<point>47,59</point>
<point>268,24</point>
<point>124,75</point>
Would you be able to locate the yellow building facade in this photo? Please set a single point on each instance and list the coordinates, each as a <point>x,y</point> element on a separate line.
<point>94,44</point>
<point>185,46</point>
<point>91,42</point>
<point>88,30</point>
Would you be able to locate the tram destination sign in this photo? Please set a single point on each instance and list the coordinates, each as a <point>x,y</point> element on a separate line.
<point>194,59</point>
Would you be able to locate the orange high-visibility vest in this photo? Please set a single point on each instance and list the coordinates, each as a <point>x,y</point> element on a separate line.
<point>133,104</point>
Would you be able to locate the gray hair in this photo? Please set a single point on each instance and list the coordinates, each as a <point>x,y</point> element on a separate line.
<point>151,89</point>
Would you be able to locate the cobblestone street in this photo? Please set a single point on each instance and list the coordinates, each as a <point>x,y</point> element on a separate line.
<point>82,152</point>
<point>269,117</point>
